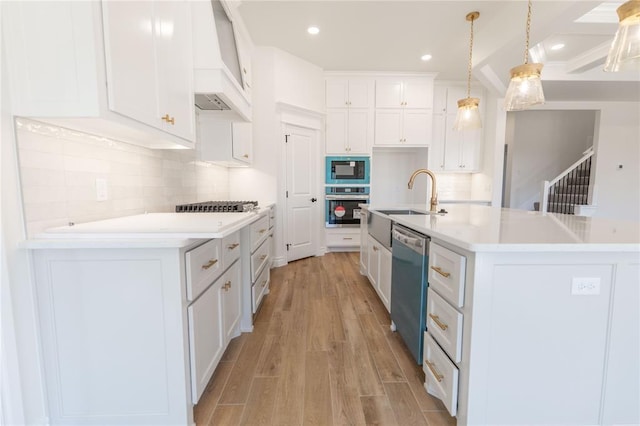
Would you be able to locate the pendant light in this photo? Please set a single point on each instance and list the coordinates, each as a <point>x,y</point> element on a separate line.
<point>468,117</point>
<point>525,88</point>
<point>625,49</point>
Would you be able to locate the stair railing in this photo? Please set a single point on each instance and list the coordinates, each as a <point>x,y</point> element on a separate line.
<point>548,186</point>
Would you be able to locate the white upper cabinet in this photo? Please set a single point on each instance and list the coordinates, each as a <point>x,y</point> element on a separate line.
<point>222,141</point>
<point>404,109</point>
<point>118,69</point>
<point>453,150</point>
<point>349,92</point>
<point>349,125</point>
<point>404,92</point>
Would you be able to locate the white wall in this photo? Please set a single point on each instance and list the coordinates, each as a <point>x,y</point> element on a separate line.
<point>617,141</point>
<point>59,169</point>
<point>279,78</point>
<point>542,144</point>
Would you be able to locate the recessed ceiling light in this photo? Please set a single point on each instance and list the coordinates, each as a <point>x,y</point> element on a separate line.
<point>313,30</point>
<point>557,46</point>
<point>425,57</point>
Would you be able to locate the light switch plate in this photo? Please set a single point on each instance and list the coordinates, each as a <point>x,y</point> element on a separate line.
<point>102,193</point>
<point>585,286</point>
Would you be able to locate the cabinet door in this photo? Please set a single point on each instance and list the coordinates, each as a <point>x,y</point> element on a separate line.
<point>470,149</point>
<point>418,93</point>
<point>206,342</point>
<point>417,126</point>
<point>364,242</point>
<point>372,271</point>
<point>336,92</point>
<point>174,67</point>
<point>439,99</point>
<point>359,131</point>
<point>384,277</point>
<point>360,93</point>
<point>388,127</point>
<point>438,147</point>
<point>389,93</point>
<point>231,308</point>
<point>132,79</point>
<point>336,133</point>
<point>242,141</point>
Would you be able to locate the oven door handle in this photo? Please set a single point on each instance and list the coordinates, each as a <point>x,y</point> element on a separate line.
<point>346,197</point>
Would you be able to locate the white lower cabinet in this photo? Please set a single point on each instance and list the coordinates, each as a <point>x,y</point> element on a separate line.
<point>342,238</point>
<point>364,241</point>
<point>441,375</point>
<point>206,340</point>
<point>379,270</point>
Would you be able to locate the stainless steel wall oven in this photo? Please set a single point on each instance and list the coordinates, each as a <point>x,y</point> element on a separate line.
<point>341,205</point>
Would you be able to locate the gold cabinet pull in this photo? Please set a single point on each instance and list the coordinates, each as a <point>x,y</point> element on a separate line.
<point>440,271</point>
<point>264,283</point>
<point>262,231</point>
<point>263,257</point>
<point>209,264</point>
<point>168,119</point>
<point>439,323</point>
<point>245,156</point>
<point>233,246</point>
<point>438,376</point>
<point>227,286</point>
<point>375,248</point>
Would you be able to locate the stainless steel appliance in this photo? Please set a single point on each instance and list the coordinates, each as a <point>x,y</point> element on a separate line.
<point>410,257</point>
<point>217,207</point>
<point>342,205</point>
<point>347,170</point>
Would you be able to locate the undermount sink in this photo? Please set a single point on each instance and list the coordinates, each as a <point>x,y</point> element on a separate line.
<point>405,211</point>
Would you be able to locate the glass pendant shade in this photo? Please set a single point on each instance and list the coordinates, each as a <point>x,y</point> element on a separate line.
<point>525,88</point>
<point>625,49</point>
<point>468,117</point>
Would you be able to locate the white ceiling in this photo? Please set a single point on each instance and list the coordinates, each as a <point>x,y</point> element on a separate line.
<point>391,35</point>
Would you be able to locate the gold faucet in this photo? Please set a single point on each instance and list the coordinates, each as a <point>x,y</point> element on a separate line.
<point>434,197</point>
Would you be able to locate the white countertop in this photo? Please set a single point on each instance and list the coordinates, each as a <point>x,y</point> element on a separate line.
<point>484,228</point>
<point>145,230</point>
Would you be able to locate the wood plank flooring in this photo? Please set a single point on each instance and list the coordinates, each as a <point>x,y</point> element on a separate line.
<point>321,353</point>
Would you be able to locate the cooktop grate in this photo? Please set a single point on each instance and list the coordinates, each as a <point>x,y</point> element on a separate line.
<point>217,207</point>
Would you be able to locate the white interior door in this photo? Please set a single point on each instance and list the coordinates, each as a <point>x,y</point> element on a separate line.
<point>302,199</point>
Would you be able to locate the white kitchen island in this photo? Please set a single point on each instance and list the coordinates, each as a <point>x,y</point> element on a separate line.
<point>136,312</point>
<point>531,319</point>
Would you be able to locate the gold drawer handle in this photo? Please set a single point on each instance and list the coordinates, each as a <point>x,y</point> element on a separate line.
<point>347,238</point>
<point>246,155</point>
<point>262,231</point>
<point>439,323</point>
<point>168,119</point>
<point>210,263</point>
<point>233,246</point>
<point>375,248</point>
<point>227,286</point>
<point>264,283</point>
<point>438,376</point>
<point>263,257</point>
<point>440,271</point>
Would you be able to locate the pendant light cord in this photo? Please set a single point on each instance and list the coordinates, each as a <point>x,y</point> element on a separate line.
<point>526,47</point>
<point>470,60</point>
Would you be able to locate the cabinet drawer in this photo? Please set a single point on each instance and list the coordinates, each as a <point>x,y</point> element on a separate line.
<point>441,375</point>
<point>204,265</point>
<point>230,249</point>
<point>259,230</point>
<point>445,325</point>
<point>259,288</point>
<point>343,240</point>
<point>272,217</point>
<point>447,273</point>
<point>258,259</point>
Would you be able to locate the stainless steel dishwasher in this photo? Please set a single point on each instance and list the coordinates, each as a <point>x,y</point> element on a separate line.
<point>410,253</point>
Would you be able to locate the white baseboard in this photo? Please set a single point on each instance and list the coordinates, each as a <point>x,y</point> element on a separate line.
<point>277,262</point>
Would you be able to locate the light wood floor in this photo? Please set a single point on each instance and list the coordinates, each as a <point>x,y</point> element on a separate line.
<point>321,353</point>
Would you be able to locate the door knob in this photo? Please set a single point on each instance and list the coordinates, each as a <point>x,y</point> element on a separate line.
<point>313,200</point>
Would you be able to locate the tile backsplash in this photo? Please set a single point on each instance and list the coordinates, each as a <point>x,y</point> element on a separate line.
<point>59,168</point>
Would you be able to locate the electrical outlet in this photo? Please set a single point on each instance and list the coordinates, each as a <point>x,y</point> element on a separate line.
<point>585,286</point>
<point>102,193</point>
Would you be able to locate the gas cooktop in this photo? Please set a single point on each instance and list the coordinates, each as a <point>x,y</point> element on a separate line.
<point>218,207</point>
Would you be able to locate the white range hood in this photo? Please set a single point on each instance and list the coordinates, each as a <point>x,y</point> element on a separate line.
<point>218,79</point>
